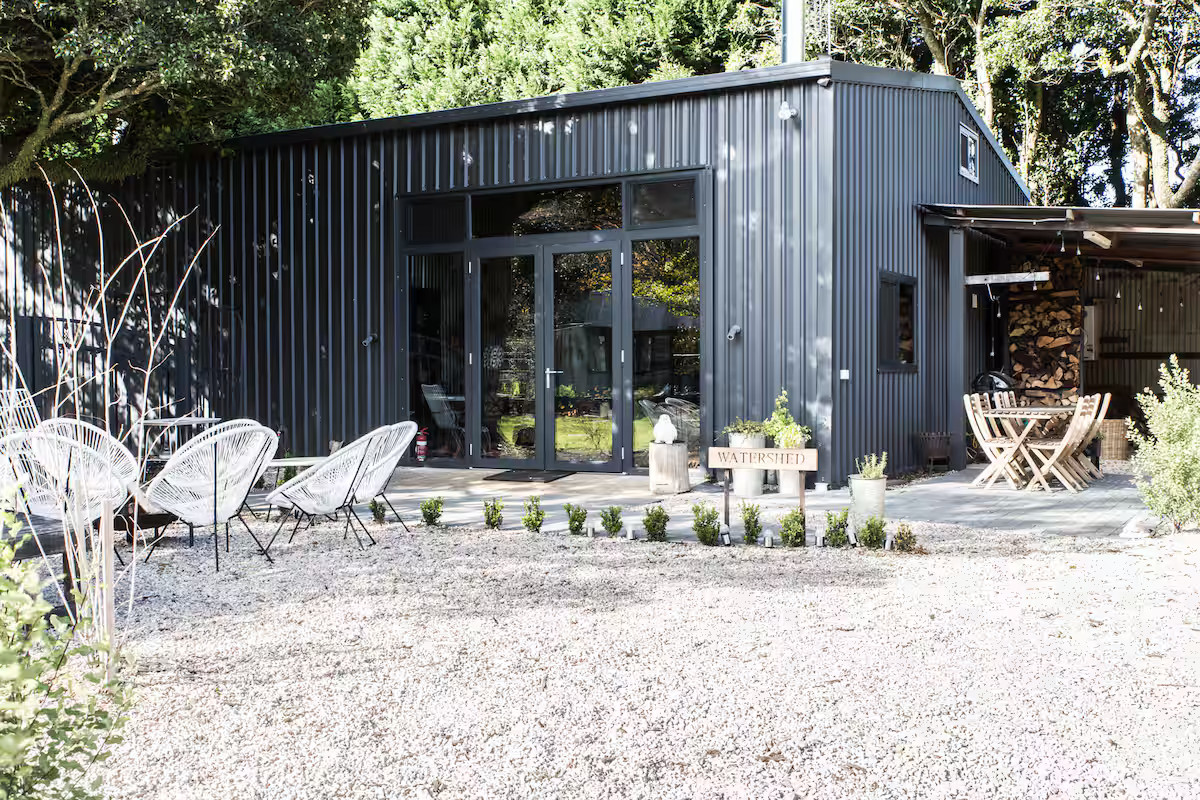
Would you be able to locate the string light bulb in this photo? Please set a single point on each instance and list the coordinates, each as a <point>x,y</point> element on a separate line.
<point>1077,251</point>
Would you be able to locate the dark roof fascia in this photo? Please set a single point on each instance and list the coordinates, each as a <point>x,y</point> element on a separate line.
<point>847,72</point>
<point>1062,217</point>
<point>638,92</point>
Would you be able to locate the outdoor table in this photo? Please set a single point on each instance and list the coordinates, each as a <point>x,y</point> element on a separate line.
<point>1032,417</point>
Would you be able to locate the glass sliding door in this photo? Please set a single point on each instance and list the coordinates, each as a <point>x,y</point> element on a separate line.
<point>436,351</point>
<point>580,369</point>
<point>509,380</point>
<point>666,342</point>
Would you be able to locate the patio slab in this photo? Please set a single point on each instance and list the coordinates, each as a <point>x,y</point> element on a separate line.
<point>1101,510</point>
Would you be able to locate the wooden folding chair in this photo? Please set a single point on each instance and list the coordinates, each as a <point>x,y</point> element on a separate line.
<point>1085,463</point>
<point>998,448</point>
<point>1056,454</point>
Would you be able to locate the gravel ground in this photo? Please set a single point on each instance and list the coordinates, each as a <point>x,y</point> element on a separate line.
<point>465,663</point>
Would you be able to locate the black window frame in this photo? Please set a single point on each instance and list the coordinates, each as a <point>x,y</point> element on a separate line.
<point>968,136</point>
<point>630,195</point>
<point>887,343</point>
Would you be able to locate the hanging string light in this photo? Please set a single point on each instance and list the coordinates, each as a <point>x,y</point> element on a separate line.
<point>1077,251</point>
<point>1062,242</point>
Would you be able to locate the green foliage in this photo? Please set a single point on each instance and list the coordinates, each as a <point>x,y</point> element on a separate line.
<point>610,519</point>
<point>431,510</point>
<point>424,55</point>
<point>287,473</point>
<point>793,436</point>
<point>906,540</point>
<point>576,517</point>
<point>378,511</point>
<point>106,84</point>
<point>705,523</point>
<point>60,713</point>
<point>751,522</point>
<point>534,515</point>
<point>792,528</point>
<point>745,427</point>
<point>1166,462</point>
<point>837,526</point>
<point>873,533</point>
<point>780,418</point>
<point>655,522</point>
<point>491,513</point>
<point>871,466</point>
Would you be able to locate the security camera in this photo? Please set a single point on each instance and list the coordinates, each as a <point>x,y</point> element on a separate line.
<point>733,332</point>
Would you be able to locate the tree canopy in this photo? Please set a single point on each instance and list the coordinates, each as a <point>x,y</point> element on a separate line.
<point>1094,100</point>
<point>102,84</point>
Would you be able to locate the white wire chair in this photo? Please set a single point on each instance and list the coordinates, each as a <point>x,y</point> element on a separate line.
<point>208,479</point>
<point>18,411</point>
<point>375,477</point>
<point>328,488</point>
<point>69,470</point>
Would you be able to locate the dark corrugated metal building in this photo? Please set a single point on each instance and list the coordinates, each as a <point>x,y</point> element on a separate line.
<point>535,280</point>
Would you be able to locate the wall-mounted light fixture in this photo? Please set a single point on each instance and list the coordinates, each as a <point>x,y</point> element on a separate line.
<point>370,340</point>
<point>786,111</point>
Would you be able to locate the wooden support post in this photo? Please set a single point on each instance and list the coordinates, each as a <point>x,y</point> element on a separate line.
<point>728,478</point>
<point>956,311</point>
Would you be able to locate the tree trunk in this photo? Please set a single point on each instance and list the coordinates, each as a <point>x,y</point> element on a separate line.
<point>1029,141</point>
<point>1140,160</point>
<point>983,75</point>
<point>1118,133</point>
<point>937,48</point>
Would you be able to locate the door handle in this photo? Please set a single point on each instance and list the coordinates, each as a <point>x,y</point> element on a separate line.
<point>550,372</point>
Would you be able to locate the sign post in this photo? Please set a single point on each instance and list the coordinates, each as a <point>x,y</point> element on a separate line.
<point>730,458</point>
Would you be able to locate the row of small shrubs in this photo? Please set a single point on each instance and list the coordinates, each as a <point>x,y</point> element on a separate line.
<point>706,525</point>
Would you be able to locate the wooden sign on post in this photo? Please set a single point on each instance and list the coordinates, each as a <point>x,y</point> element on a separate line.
<point>728,458</point>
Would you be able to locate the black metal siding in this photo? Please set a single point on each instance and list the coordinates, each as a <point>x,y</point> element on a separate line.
<point>897,147</point>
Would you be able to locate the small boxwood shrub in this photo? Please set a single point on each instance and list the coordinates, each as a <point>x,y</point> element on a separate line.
<point>610,520</point>
<point>1164,463</point>
<point>906,540</point>
<point>656,524</point>
<point>576,517</point>
<point>534,515</point>
<point>431,510</point>
<point>491,513</point>
<point>705,523</point>
<point>873,533</point>
<point>792,528</point>
<point>751,520</point>
<point>377,511</point>
<point>837,525</point>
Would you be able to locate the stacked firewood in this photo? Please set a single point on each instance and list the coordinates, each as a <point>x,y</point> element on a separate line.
<point>1044,335</point>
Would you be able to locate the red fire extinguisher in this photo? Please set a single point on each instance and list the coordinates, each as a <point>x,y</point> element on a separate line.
<point>422,444</point>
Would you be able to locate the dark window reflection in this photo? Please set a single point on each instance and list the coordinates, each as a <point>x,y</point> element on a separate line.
<point>666,342</point>
<point>508,363</point>
<point>437,220</point>
<point>583,208</point>
<point>436,351</point>
<point>663,202</point>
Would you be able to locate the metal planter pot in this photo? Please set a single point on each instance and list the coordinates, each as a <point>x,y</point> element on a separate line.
<point>748,482</point>
<point>867,497</point>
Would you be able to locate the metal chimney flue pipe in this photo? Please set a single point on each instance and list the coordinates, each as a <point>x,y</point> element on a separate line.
<point>793,31</point>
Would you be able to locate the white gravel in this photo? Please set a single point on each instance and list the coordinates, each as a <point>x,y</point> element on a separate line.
<point>466,663</point>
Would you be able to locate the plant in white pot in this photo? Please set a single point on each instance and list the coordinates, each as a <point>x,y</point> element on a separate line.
<point>791,437</point>
<point>747,433</point>
<point>868,486</point>
<point>773,425</point>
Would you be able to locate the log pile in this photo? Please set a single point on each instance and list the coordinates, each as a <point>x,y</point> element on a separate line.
<point>1045,335</point>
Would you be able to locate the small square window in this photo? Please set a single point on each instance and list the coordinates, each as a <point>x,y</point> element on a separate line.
<point>968,153</point>
<point>897,322</point>
<point>670,202</point>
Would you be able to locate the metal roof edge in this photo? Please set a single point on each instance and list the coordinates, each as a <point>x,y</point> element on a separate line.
<point>901,79</point>
<point>633,93</point>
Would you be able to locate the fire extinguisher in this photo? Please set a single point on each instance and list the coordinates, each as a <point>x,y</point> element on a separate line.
<point>422,444</point>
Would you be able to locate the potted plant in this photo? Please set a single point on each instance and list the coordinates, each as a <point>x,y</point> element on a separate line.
<point>747,433</point>
<point>787,434</point>
<point>792,437</point>
<point>867,487</point>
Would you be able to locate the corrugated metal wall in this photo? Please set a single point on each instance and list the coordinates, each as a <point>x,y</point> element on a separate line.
<point>306,262</point>
<point>897,147</point>
<point>1132,343</point>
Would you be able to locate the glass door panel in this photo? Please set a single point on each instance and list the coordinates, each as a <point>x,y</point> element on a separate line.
<point>666,342</point>
<point>579,372</point>
<point>508,359</point>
